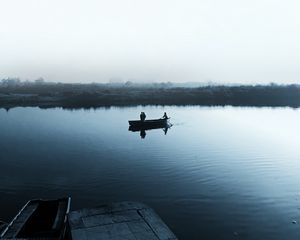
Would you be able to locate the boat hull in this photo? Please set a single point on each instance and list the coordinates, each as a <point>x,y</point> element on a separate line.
<point>149,124</point>
<point>39,219</point>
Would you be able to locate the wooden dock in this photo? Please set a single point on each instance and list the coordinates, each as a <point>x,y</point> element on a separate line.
<point>116,221</point>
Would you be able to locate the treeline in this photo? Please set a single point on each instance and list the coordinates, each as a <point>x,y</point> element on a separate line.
<point>40,93</point>
<point>40,85</point>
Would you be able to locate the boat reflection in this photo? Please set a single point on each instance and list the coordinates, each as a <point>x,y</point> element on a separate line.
<point>143,129</point>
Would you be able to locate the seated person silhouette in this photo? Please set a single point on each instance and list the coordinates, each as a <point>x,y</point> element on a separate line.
<point>142,116</point>
<point>165,116</point>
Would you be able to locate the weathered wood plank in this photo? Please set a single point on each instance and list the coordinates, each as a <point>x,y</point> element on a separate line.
<point>116,221</point>
<point>79,234</point>
<point>112,207</point>
<point>156,224</point>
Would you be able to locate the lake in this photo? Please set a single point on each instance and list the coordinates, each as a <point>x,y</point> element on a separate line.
<point>218,173</point>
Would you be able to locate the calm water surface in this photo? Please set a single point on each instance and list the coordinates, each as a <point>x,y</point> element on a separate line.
<point>219,173</point>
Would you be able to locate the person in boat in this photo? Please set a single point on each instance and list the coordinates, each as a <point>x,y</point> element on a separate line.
<point>142,116</point>
<point>165,116</point>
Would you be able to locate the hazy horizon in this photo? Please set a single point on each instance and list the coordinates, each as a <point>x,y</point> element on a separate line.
<point>159,41</point>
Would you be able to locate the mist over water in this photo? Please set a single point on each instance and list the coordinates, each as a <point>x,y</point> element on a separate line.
<point>173,40</point>
<point>218,173</point>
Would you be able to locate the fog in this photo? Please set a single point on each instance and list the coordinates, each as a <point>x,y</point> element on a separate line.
<point>84,41</point>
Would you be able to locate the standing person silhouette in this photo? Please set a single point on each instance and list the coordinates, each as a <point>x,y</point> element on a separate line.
<point>142,116</point>
<point>165,116</point>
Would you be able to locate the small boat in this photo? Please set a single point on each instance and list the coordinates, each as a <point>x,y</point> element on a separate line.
<point>40,219</point>
<point>154,123</point>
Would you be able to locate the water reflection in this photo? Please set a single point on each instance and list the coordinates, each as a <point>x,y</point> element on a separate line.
<point>143,130</point>
<point>239,180</point>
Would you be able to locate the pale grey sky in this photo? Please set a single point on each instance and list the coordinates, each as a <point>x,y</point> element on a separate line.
<point>244,41</point>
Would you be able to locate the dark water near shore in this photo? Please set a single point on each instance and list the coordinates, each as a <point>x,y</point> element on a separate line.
<point>219,173</point>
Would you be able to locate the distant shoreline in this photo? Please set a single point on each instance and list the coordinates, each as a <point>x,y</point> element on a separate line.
<point>46,95</point>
